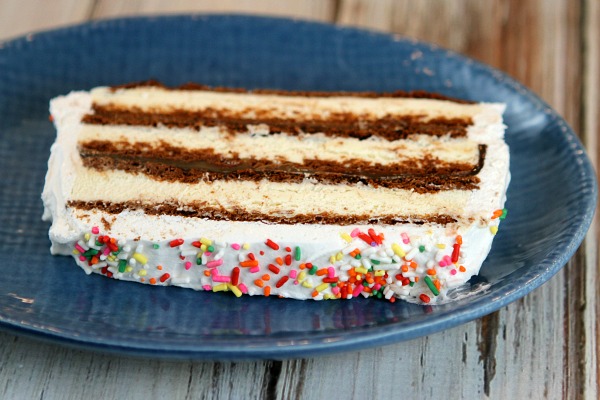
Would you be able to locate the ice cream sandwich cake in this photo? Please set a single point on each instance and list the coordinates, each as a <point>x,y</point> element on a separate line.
<point>304,195</point>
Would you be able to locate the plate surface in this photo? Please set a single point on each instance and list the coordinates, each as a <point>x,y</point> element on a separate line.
<point>551,198</point>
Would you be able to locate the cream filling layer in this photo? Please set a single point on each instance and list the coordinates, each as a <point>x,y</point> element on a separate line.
<point>257,143</point>
<point>250,105</point>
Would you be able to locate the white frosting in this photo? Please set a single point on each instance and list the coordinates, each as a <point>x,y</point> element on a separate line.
<point>322,245</point>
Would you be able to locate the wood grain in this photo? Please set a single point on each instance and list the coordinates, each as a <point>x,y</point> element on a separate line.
<point>542,346</point>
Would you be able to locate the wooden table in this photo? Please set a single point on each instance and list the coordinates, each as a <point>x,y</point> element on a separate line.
<point>542,346</point>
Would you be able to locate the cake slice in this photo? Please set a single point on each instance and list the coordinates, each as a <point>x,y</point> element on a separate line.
<point>305,195</point>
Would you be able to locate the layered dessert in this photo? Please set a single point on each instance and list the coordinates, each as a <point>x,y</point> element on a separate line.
<point>303,195</point>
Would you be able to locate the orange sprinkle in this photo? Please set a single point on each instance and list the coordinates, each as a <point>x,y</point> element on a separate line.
<point>259,283</point>
<point>302,266</point>
<point>416,279</point>
<point>431,271</point>
<point>413,264</point>
<point>370,280</point>
<point>266,277</point>
<point>142,280</point>
<point>314,293</point>
<point>206,273</point>
<point>458,239</point>
<point>249,263</point>
<point>462,268</point>
<point>497,214</point>
<point>279,260</point>
<point>322,271</point>
<point>352,272</point>
<point>152,281</point>
<point>367,289</point>
<point>267,290</point>
<point>159,267</point>
<point>404,268</point>
<point>437,284</point>
<point>352,280</point>
<point>392,299</point>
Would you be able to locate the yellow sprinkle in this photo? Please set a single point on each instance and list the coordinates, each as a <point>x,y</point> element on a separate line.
<point>494,229</point>
<point>75,251</point>
<point>379,272</point>
<point>301,276</point>
<point>220,288</point>
<point>339,256</point>
<point>111,258</point>
<point>346,237</point>
<point>322,287</point>
<point>86,237</point>
<point>307,284</point>
<point>235,290</point>
<point>440,246</point>
<point>328,296</point>
<point>246,246</point>
<point>361,270</point>
<point>128,269</point>
<point>142,259</point>
<point>206,241</point>
<point>141,272</point>
<point>203,247</point>
<point>398,250</point>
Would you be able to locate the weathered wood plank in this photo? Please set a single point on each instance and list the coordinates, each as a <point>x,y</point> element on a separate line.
<point>19,17</point>
<point>310,9</point>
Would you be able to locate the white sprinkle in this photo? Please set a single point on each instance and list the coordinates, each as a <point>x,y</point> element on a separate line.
<point>132,262</point>
<point>411,254</point>
<point>187,253</point>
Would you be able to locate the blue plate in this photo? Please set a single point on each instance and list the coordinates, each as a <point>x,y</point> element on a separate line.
<point>551,198</point>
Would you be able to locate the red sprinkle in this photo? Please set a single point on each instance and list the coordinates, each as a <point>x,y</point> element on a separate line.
<point>197,244</point>
<point>367,239</point>
<point>272,244</point>
<point>424,298</point>
<point>251,256</point>
<point>331,280</point>
<point>282,281</point>
<point>164,277</point>
<point>235,276</point>
<point>455,252</point>
<point>274,269</point>
<point>176,242</point>
<point>288,259</point>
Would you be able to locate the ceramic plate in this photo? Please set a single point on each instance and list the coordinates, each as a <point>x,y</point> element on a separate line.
<point>551,198</point>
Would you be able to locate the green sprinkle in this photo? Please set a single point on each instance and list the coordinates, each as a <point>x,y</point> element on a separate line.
<point>198,261</point>
<point>156,245</point>
<point>431,286</point>
<point>504,212</point>
<point>297,253</point>
<point>122,265</point>
<point>411,284</point>
<point>98,243</point>
<point>333,284</point>
<point>210,248</point>
<point>421,248</point>
<point>379,295</point>
<point>358,257</point>
<point>376,262</point>
<point>91,252</point>
<point>313,270</point>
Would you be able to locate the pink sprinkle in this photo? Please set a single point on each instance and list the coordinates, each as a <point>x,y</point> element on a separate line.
<point>214,263</point>
<point>207,287</point>
<point>106,250</point>
<point>79,248</point>
<point>296,282</point>
<point>214,272</point>
<point>243,288</point>
<point>335,290</point>
<point>357,290</point>
<point>82,258</point>
<point>207,253</point>
<point>235,246</point>
<point>331,272</point>
<point>442,263</point>
<point>448,260</point>
<point>405,238</point>
<point>293,274</point>
<point>355,232</point>
<point>453,272</point>
<point>255,269</point>
<point>377,286</point>
<point>221,278</point>
<point>95,230</point>
<point>188,265</point>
